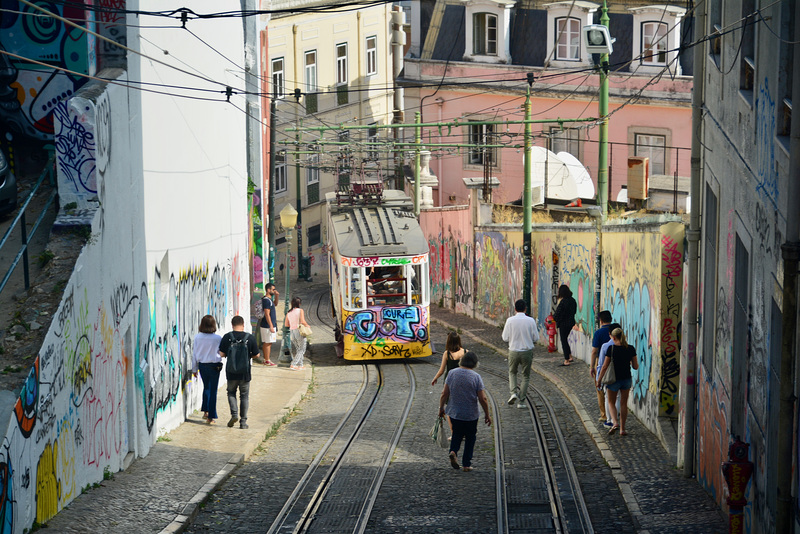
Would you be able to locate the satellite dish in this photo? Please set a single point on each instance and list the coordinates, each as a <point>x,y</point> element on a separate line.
<point>622,196</point>
<point>560,183</point>
<point>583,182</point>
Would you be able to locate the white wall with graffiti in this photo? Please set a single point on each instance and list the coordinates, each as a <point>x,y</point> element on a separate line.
<point>168,245</point>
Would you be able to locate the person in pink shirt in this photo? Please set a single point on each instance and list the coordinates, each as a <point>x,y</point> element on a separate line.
<point>294,319</point>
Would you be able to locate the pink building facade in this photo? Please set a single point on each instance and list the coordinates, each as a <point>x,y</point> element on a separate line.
<point>470,61</point>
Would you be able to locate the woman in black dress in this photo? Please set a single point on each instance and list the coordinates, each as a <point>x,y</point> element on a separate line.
<point>565,319</point>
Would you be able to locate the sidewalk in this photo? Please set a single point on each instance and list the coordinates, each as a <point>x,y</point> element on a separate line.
<point>656,495</point>
<point>162,491</point>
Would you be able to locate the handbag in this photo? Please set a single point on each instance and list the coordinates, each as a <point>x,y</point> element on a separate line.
<point>437,433</point>
<point>611,375</point>
<point>305,331</point>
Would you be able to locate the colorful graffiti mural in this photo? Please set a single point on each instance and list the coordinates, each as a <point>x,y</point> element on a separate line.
<point>32,93</point>
<point>386,332</point>
<point>499,275</point>
<point>671,302</point>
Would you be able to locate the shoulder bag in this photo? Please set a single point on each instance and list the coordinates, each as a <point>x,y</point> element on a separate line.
<point>611,375</point>
<point>305,331</point>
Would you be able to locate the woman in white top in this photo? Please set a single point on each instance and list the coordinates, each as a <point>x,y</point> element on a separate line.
<point>206,359</point>
<point>294,319</point>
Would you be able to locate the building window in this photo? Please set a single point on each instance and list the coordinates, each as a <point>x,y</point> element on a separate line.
<point>481,134</point>
<point>312,179</point>
<point>654,43</point>
<point>785,61</point>
<point>709,279</point>
<point>372,137</point>
<point>484,34</point>
<point>372,56</point>
<point>313,235</point>
<point>747,68</point>
<point>280,173</point>
<point>341,63</point>
<point>715,30</point>
<point>565,140</point>
<point>278,88</point>
<point>568,39</point>
<point>311,81</point>
<point>653,147</point>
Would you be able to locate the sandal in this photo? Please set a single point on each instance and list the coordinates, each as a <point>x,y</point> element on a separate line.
<point>565,364</point>
<point>454,460</point>
<point>623,432</point>
<point>613,429</point>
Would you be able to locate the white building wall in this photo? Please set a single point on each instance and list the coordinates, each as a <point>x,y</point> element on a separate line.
<point>168,245</point>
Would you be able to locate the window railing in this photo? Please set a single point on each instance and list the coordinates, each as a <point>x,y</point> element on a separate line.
<point>312,192</point>
<point>311,103</point>
<point>341,95</point>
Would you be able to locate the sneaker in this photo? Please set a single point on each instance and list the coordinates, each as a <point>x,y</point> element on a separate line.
<point>270,364</point>
<point>512,399</point>
<point>244,426</point>
<point>521,405</point>
<point>608,424</point>
<point>232,421</point>
<point>467,468</point>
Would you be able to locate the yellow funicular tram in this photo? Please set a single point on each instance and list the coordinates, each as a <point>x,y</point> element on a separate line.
<point>379,274</point>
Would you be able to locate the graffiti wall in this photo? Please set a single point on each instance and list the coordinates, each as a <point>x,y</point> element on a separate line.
<point>31,92</point>
<point>631,291</point>
<point>671,313</point>
<point>114,370</point>
<point>450,246</point>
<point>565,257</point>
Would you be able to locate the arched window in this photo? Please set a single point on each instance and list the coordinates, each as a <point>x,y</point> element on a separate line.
<point>568,39</point>
<point>654,43</point>
<point>484,34</point>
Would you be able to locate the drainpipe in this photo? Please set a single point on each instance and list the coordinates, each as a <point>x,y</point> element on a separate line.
<point>359,44</point>
<point>791,254</point>
<point>689,364</point>
<point>602,105</point>
<point>398,42</point>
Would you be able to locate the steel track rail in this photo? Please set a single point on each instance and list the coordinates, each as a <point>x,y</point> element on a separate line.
<point>500,470</point>
<point>586,523</point>
<point>556,507</point>
<point>280,520</point>
<point>372,495</point>
<point>316,499</point>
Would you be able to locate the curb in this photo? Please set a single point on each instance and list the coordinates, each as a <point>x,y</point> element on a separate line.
<point>183,520</point>
<point>616,470</point>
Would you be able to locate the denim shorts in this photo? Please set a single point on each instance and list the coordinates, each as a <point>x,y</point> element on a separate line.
<point>625,383</point>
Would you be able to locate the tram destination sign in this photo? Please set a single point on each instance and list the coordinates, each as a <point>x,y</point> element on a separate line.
<point>382,262</point>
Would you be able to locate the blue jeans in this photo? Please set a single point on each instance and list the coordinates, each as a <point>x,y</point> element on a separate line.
<point>210,376</point>
<point>466,430</point>
<point>244,398</point>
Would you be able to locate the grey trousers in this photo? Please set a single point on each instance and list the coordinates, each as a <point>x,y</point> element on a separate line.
<point>244,398</point>
<point>519,361</point>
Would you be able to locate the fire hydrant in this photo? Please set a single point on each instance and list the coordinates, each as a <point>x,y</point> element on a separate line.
<point>737,472</point>
<point>550,322</point>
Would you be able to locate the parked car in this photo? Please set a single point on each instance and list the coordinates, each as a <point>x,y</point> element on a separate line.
<point>8,186</point>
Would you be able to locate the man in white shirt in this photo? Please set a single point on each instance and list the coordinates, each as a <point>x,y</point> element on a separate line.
<point>521,333</point>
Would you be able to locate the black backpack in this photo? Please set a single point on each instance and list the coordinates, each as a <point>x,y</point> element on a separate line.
<point>238,356</point>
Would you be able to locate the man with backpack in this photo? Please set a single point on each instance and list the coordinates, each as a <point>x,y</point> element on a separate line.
<point>238,347</point>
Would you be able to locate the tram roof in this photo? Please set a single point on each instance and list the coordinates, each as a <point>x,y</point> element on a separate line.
<point>386,229</point>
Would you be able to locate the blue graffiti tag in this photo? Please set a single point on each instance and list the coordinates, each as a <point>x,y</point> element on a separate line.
<point>362,324</point>
<point>404,319</point>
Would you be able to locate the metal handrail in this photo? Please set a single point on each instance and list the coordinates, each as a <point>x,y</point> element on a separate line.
<point>20,218</point>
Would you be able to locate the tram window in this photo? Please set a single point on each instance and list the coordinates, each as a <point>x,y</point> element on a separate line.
<point>416,284</point>
<point>354,287</point>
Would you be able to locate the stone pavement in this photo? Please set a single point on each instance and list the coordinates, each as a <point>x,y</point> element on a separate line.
<point>657,496</point>
<point>162,491</point>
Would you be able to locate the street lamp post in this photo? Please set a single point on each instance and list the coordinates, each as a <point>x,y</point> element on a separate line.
<point>288,221</point>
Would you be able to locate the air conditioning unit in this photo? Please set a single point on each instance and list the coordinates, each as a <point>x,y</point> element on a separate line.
<point>638,177</point>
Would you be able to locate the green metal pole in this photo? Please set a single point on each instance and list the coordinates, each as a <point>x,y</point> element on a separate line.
<point>527,206</point>
<point>602,162</point>
<point>286,341</point>
<point>417,170</point>
<point>300,273</point>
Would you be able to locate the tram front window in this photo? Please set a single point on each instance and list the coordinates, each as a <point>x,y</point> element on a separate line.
<point>387,285</point>
<point>353,287</point>
<point>416,284</point>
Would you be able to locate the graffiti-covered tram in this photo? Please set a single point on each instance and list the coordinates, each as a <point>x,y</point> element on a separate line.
<point>380,288</point>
